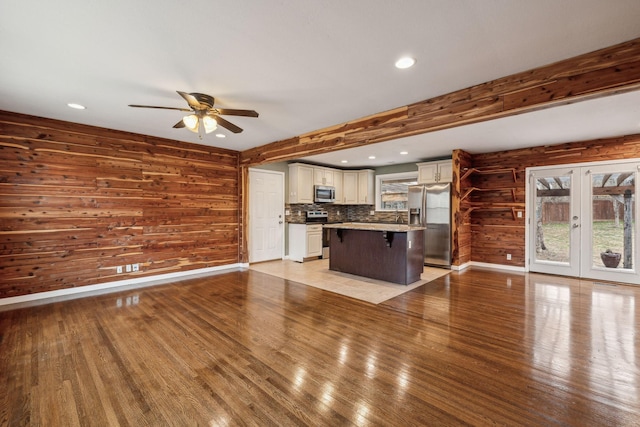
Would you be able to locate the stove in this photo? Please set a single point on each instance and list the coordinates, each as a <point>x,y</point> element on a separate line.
<point>321,217</point>
<point>314,217</point>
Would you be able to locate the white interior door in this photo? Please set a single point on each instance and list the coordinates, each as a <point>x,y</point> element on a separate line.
<point>266,215</point>
<point>579,213</point>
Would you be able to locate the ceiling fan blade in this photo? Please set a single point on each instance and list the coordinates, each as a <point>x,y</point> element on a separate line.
<point>178,125</point>
<point>226,124</point>
<point>191,100</point>
<point>232,112</point>
<point>161,108</point>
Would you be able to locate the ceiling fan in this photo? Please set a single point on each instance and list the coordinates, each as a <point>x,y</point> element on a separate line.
<point>204,114</point>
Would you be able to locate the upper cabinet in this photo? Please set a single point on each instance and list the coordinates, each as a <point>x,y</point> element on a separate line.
<point>366,191</point>
<point>435,172</point>
<point>337,183</point>
<point>352,187</point>
<point>323,176</point>
<point>301,178</point>
<point>358,187</point>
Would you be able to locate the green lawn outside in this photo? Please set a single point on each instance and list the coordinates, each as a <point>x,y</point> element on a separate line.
<point>606,235</point>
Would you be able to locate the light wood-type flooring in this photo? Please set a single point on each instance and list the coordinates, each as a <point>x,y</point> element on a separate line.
<point>318,274</point>
<point>477,347</point>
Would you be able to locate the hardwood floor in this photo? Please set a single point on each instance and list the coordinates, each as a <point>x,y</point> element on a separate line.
<point>244,348</point>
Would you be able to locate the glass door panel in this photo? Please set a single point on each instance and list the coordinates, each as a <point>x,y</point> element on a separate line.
<point>611,214</point>
<point>555,222</point>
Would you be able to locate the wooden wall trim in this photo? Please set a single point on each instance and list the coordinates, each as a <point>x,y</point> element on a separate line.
<point>243,176</point>
<point>608,71</point>
<point>460,229</point>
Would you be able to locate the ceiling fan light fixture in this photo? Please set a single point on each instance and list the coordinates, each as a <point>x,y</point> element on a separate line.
<point>191,122</point>
<point>209,123</point>
<point>203,117</point>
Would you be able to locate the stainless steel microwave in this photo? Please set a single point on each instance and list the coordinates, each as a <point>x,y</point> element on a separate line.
<point>324,194</point>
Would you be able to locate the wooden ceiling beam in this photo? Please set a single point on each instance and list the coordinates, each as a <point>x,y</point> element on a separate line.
<point>608,71</point>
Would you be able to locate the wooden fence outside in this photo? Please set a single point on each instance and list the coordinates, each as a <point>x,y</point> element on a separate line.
<point>559,211</point>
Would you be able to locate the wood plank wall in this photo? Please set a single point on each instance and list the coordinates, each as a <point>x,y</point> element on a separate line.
<point>77,201</point>
<point>494,232</point>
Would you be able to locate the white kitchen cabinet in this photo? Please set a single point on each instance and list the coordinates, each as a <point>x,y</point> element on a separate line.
<point>337,184</point>
<point>354,187</point>
<point>323,176</point>
<point>366,185</point>
<point>358,187</point>
<point>350,187</point>
<point>314,240</point>
<point>305,241</point>
<point>435,172</point>
<point>300,183</point>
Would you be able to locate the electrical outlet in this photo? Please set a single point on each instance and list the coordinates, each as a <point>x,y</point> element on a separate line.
<point>372,212</point>
<point>119,302</point>
<point>135,299</point>
<point>127,268</point>
<point>519,214</point>
<point>287,212</point>
<point>508,257</point>
<point>119,269</point>
<point>135,267</point>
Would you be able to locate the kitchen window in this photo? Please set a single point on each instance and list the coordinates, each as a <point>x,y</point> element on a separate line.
<point>392,190</point>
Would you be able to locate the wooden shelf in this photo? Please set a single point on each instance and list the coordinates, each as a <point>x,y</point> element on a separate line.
<point>480,206</point>
<point>472,189</point>
<point>489,171</point>
<point>512,207</point>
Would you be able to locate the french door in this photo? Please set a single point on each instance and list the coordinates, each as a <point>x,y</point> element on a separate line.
<point>583,221</point>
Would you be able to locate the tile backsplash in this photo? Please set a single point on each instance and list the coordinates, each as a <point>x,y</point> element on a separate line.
<point>342,213</point>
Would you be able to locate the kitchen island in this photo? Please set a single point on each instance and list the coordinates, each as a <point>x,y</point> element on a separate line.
<point>389,252</point>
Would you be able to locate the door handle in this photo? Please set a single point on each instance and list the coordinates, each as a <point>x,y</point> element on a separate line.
<point>576,225</point>
<point>279,222</point>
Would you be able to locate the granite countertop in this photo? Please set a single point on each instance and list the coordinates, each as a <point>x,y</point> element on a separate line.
<point>376,226</point>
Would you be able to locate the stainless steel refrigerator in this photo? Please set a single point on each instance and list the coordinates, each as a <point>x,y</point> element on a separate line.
<point>430,206</point>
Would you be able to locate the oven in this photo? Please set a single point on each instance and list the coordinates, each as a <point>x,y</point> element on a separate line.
<point>315,217</point>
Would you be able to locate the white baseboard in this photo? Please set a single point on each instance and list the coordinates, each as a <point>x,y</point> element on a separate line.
<point>460,267</point>
<point>495,266</point>
<point>11,303</point>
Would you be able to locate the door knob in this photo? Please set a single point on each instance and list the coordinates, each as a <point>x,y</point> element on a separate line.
<point>279,222</point>
<point>576,225</point>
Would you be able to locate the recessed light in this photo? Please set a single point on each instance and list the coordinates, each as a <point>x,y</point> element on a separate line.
<point>405,62</point>
<point>76,106</point>
<point>221,135</point>
<point>372,157</point>
<point>404,153</point>
<point>344,161</point>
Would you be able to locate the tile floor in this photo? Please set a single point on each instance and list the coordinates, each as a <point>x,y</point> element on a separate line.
<point>317,274</point>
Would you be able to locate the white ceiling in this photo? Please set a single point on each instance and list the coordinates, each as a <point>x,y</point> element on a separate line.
<point>305,65</point>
